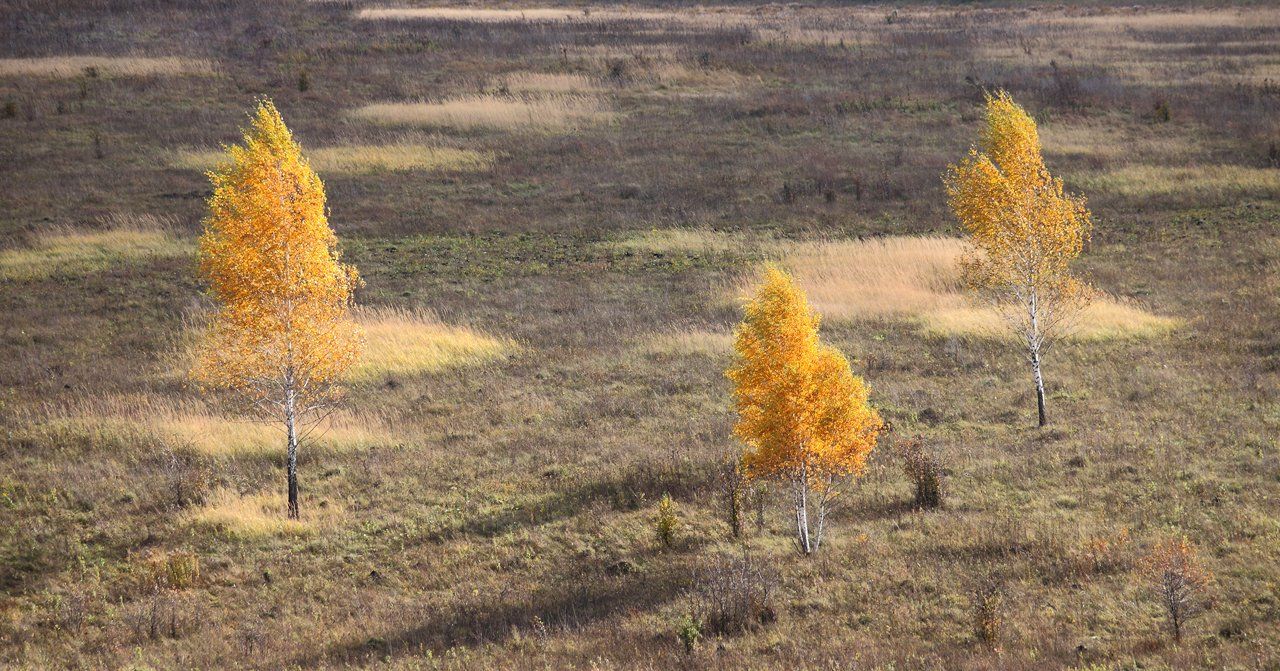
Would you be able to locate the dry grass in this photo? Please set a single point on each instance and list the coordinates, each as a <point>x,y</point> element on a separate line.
<point>1145,181</point>
<point>899,277</point>
<point>918,278</point>
<point>542,83</point>
<point>67,251</point>
<point>63,67</point>
<point>260,515</point>
<point>511,113</point>
<point>403,344</point>
<point>1112,142</point>
<point>356,159</point>
<point>687,342</point>
<point>193,425</point>
<point>477,15</point>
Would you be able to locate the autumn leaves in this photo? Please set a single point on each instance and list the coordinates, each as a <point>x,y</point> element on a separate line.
<point>283,336</point>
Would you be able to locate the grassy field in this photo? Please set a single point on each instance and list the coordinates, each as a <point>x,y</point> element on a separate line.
<point>556,210</point>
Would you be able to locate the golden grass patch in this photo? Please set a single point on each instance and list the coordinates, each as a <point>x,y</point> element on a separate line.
<point>196,426</point>
<point>361,158</point>
<point>561,83</point>
<point>493,111</point>
<point>918,278</point>
<point>62,67</point>
<point>261,515</point>
<point>403,343</point>
<point>687,342</point>
<point>1144,181</point>
<point>899,277</point>
<point>70,251</point>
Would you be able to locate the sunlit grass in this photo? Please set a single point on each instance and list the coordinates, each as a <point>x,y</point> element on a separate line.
<point>361,158</point>
<point>190,425</point>
<point>62,67</point>
<point>1145,181</point>
<point>261,515</point>
<point>561,83</point>
<point>402,343</point>
<point>492,111</point>
<point>68,251</point>
<point>916,279</point>
<point>687,342</point>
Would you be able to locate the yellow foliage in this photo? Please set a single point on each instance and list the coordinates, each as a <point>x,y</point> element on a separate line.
<point>802,412</point>
<point>272,263</point>
<point>1025,233</point>
<point>1027,229</point>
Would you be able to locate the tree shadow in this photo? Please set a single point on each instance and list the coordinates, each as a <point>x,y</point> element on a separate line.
<point>631,489</point>
<point>572,600</point>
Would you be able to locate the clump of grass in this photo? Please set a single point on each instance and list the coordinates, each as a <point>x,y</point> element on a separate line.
<point>494,112</point>
<point>356,159</point>
<point>1147,181</point>
<point>403,343</point>
<point>260,515</point>
<point>77,252</point>
<point>65,67</point>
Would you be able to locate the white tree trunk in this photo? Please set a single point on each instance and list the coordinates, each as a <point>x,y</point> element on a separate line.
<point>802,512</point>
<point>290,418</point>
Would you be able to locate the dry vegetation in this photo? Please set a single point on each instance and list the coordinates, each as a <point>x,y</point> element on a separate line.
<point>492,111</point>
<point>487,497</point>
<point>120,240</point>
<point>252,516</point>
<point>355,159</point>
<point>66,67</point>
<point>402,343</point>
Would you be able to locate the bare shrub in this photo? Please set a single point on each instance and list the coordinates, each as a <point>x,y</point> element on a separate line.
<point>735,594</point>
<point>922,465</point>
<point>1174,569</point>
<point>734,491</point>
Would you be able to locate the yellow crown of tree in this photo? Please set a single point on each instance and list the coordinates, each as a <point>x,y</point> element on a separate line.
<point>282,334</point>
<point>803,414</point>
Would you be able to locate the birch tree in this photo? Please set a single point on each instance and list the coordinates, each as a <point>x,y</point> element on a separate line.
<point>282,334</point>
<point>1024,232</point>
<point>803,414</point>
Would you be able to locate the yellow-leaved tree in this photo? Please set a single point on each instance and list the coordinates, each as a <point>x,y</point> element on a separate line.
<point>282,334</point>
<point>802,413</point>
<point>1025,232</point>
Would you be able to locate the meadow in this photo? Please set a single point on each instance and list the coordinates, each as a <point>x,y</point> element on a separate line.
<point>557,211</point>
